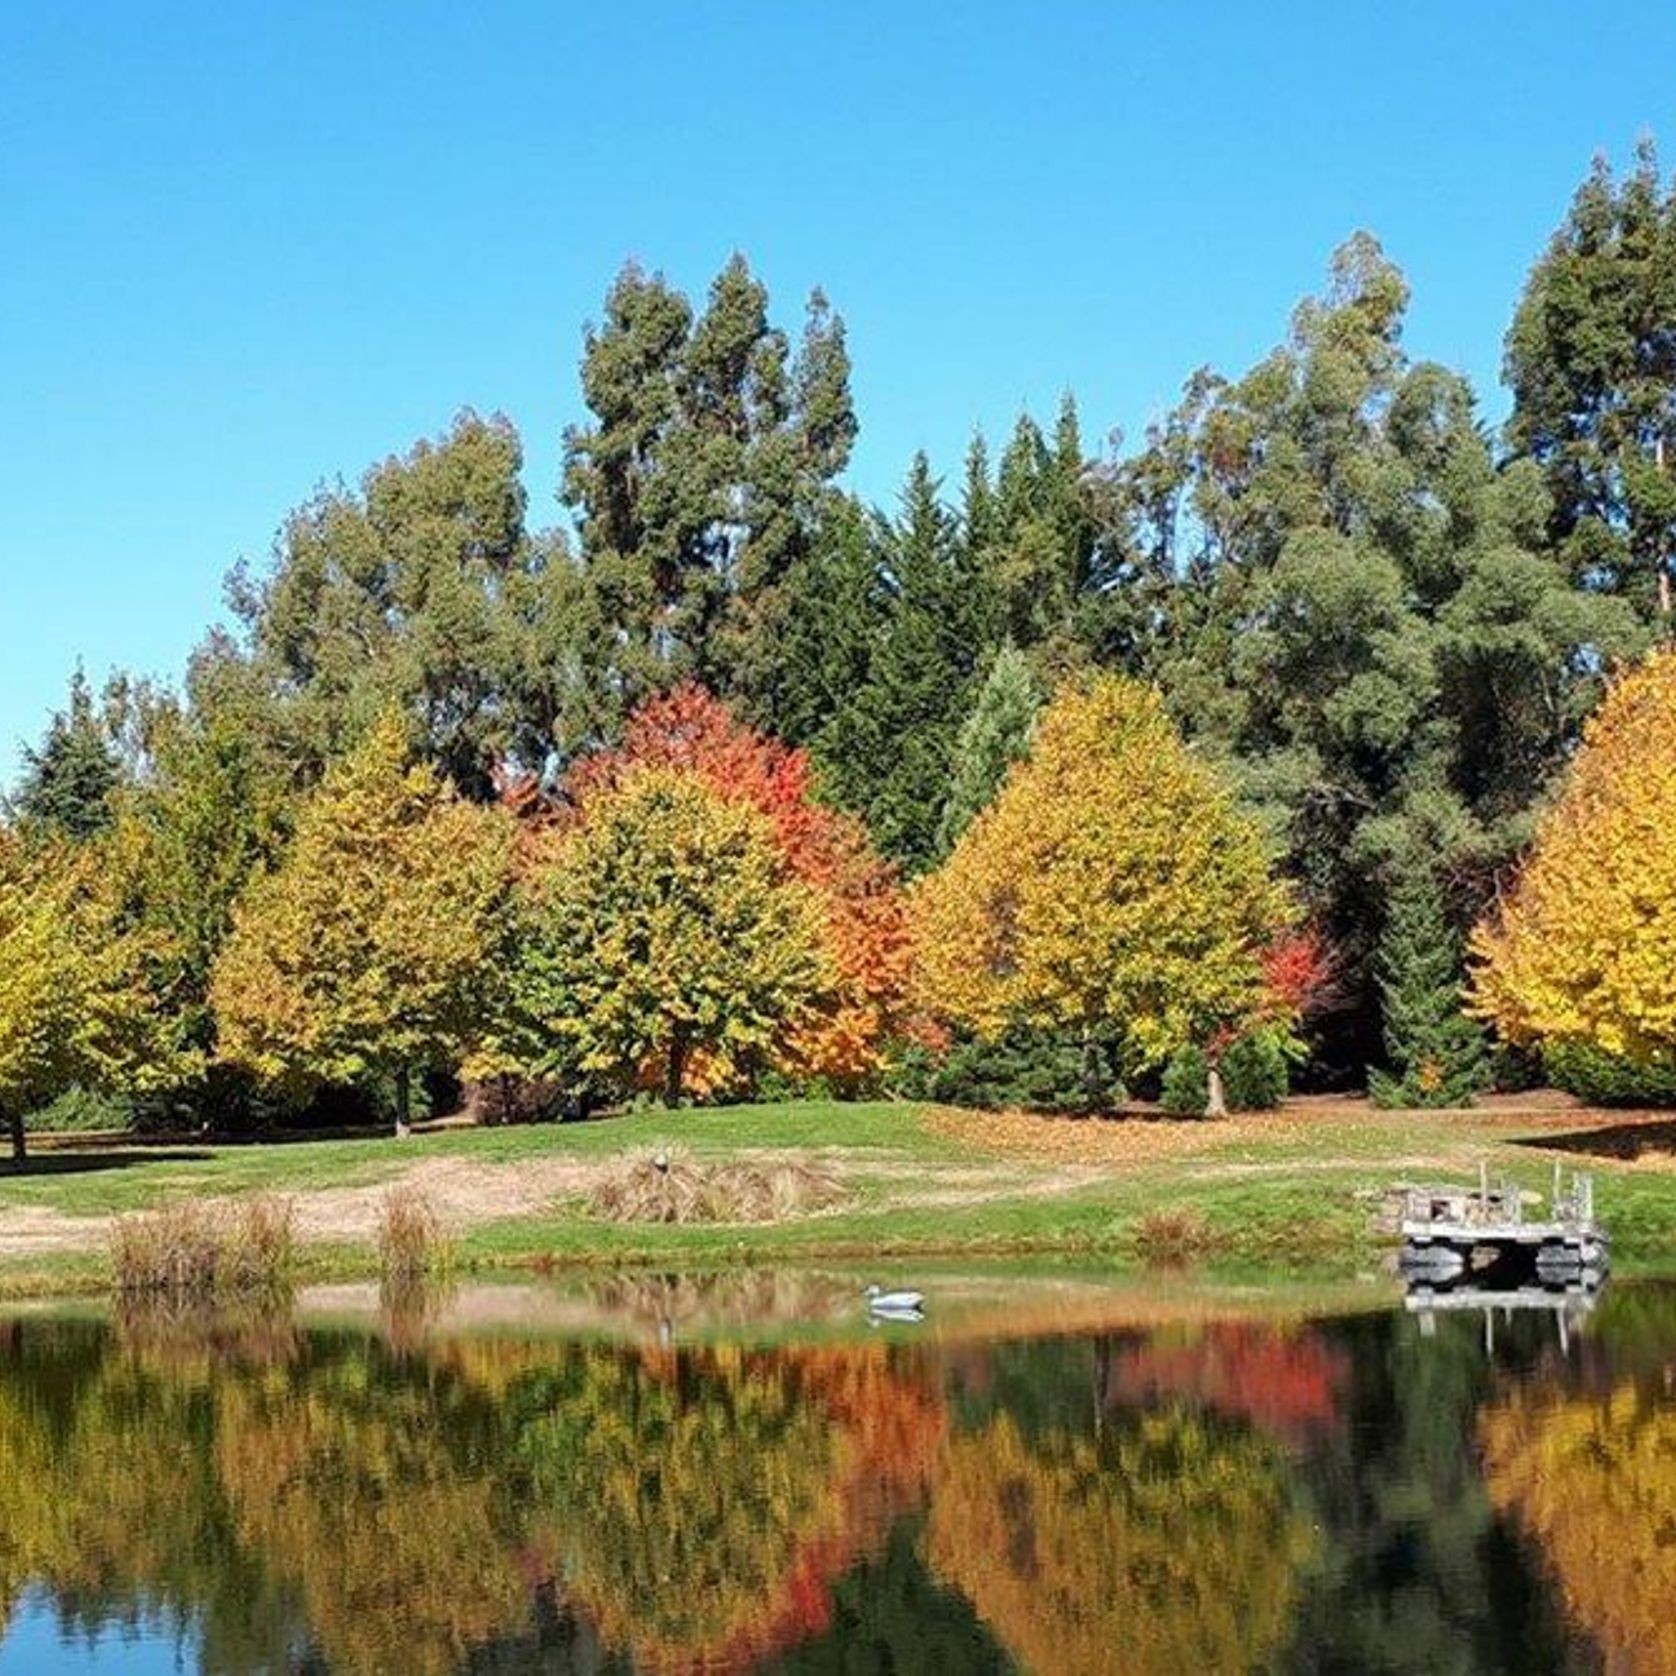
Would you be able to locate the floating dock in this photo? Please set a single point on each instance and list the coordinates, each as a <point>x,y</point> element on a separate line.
<point>1451,1232</point>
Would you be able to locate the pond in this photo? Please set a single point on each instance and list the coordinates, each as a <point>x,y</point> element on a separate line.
<point>665,1475</point>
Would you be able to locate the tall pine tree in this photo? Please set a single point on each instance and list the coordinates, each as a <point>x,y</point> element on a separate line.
<point>1438,1056</point>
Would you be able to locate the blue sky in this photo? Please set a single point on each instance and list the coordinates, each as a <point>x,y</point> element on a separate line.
<point>248,248</point>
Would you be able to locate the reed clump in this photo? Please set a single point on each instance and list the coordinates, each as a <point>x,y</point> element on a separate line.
<point>412,1244</point>
<point>207,1252</point>
<point>1174,1238</point>
<point>668,1185</point>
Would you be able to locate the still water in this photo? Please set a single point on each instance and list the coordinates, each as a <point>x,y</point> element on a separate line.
<point>661,1483</point>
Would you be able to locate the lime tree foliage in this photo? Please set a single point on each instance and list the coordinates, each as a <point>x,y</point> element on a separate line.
<point>365,954</point>
<point>1113,890</point>
<point>1581,953</point>
<point>1437,1055</point>
<point>665,942</point>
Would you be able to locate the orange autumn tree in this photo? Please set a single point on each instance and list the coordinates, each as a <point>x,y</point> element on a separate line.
<point>1583,949</point>
<point>865,910</point>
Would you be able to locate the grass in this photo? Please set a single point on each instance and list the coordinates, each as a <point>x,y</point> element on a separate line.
<point>1294,1192</point>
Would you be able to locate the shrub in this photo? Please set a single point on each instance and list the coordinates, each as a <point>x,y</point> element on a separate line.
<point>1608,1079</point>
<point>82,1111</point>
<point>1025,1070</point>
<point>1255,1076</point>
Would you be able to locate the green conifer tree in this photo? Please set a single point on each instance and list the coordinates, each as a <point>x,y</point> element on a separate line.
<point>69,778</point>
<point>1438,1055</point>
<point>992,738</point>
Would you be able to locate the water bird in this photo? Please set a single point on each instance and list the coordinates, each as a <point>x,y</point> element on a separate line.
<point>894,1303</point>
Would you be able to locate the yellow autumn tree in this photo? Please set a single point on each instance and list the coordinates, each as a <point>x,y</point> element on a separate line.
<point>1112,886</point>
<point>664,939</point>
<point>82,991</point>
<point>1583,949</point>
<point>366,952</point>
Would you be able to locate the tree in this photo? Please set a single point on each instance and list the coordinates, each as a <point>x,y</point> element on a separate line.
<point>46,986</point>
<point>1370,626</point>
<point>422,591</point>
<point>1112,887</point>
<point>1591,358</point>
<point>80,1001</point>
<point>1582,949</point>
<point>1437,1054</point>
<point>365,952</point>
<point>888,751</point>
<point>69,779</point>
<point>865,913</point>
<point>992,738</point>
<point>667,941</point>
<point>699,482</point>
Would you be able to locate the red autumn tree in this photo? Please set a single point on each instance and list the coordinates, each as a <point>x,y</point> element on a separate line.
<point>866,910</point>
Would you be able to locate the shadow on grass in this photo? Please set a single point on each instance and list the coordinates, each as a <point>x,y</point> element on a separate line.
<point>1630,1139</point>
<point>87,1163</point>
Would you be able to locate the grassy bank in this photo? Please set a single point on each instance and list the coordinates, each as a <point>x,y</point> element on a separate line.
<point>1294,1191</point>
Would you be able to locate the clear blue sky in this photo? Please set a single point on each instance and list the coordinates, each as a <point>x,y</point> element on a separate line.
<point>250,247</point>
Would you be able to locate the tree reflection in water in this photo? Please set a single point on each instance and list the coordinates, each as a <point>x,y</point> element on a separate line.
<point>1226,1496</point>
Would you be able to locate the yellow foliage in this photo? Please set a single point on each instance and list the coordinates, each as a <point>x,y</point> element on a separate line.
<point>1164,1548</point>
<point>1584,948</point>
<point>80,991</point>
<point>667,938</point>
<point>368,948</point>
<point>1112,882</point>
<point>1595,1481</point>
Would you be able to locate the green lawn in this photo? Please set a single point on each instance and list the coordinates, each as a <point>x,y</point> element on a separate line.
<point>1294,1192</point>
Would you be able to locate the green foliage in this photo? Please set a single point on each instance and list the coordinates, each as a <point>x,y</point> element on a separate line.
<point>1023,1070</point>
<point>992,738</point>
<point>698,483</point>
<point>1438,1056</point>
<point>82,1110</point>
<point>420,591</point>
<point>1608,1079</point>
<point>1591,359</point>
<point>71,777</point>
<point>1255,1075</point>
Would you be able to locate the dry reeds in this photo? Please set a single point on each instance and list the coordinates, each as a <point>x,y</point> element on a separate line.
<point>205,1252</point>
<point>669,1185</point>
<point>412,1246</point>
<point>1174,1238</point>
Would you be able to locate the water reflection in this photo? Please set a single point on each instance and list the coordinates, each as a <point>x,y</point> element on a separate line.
<point>1344,1494</point>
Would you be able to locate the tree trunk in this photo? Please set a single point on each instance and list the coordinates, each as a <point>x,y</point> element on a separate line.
<point>1216,1102</point>
<point>676,1071</point>
<point>20,1147</point>
<point>404,1109</point>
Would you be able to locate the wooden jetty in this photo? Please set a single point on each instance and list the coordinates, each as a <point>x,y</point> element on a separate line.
<point>1451,1231</point>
